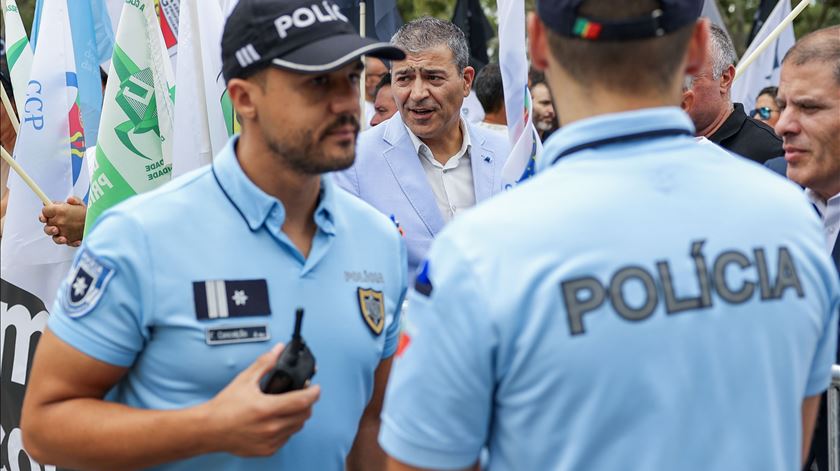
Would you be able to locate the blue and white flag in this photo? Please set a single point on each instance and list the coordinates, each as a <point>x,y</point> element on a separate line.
<point>765,71</point>
<point>32,266</point>
<point>93,44</point>
<point>524,140</point>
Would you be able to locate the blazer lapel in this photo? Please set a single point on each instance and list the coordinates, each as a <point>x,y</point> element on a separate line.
<point>483,161</point>
<point>835,254</point>
<point>408,171</point>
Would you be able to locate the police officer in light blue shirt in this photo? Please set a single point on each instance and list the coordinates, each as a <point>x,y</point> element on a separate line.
<point>177,296</point>
<point>648,310</point>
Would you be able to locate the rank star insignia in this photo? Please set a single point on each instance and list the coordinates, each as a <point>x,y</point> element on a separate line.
<point>239,297</point>
<point>372,307</point>
<point>79,286</point>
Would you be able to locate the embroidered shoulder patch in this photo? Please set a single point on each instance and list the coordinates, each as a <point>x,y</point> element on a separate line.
<point>85,285</point>
<point>372,307</point>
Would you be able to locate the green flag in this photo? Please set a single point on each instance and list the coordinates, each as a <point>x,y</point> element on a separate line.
<point>133,154</point>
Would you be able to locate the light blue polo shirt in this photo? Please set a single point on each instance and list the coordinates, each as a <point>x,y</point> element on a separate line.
<point>187,285</point>
<point>650,303</point>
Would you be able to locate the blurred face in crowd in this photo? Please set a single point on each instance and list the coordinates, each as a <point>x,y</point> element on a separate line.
<point>710,96</point>
<point>374,71</point>
<point>315,129</point>
<point>384,106</point>
<point>544,117</point>
<point>766,109</point>
<point>809,124</point>
<point>429,90</point>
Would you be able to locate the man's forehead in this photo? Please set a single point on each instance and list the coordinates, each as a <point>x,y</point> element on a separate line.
<point>437,57</point>
<point>811,78</point>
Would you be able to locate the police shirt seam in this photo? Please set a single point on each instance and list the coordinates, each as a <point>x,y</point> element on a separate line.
<point>145,313</point>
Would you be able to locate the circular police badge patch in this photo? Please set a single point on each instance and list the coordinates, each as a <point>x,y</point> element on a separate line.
<point>85,284</point>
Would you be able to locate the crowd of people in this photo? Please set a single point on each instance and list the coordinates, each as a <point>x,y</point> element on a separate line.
<point>655,297</point>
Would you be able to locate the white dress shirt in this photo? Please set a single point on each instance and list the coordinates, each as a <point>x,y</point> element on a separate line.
<point>830,214</point>
<point>452,184</point>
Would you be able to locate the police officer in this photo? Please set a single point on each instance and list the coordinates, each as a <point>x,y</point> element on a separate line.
<point>177,296</point>
<point>647,312</point>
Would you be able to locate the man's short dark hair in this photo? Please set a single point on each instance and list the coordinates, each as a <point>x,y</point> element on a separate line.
<point>772,91</point>
<point>385,81</point>
<point>489,88</point>
<point>634,66</point>
<point>822,45</point>
<point>535,77</point>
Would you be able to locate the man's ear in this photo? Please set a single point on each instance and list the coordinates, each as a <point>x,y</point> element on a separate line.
<point>469,75</point>
<point>726,79</point>
<point>243,96</point>
<point>698,48</point>
<point>537,42</point>
<point>687,100</point>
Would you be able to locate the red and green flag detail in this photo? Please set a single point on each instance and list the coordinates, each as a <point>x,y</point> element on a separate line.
<point>586,29</point>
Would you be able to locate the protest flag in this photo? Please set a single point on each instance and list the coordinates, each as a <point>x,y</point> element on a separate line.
<point>133,154</point>
<point>32,266</point>
<point>766,68</point>
<point>525,142</point>
<point>470,17</point>
<point>382,18</point>
<point>200,128</point>
<point>18,53</point>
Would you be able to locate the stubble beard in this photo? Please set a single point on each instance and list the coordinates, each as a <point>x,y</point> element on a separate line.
<point>304,153</point>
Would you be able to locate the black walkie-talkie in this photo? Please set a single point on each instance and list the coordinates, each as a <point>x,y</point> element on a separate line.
<point>295,366</point>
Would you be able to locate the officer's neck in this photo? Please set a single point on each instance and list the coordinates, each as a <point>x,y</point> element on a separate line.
<point>575,102</point>
<point>298,192</point>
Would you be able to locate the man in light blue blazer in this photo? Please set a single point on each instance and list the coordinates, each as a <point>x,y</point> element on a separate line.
<point>426,164</point>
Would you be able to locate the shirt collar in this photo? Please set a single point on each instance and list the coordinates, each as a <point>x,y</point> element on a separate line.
<point>423,150</point>
<point>611,125</point>
<point>255,205</point>
<point>825,208</point>
<point>731,125</point>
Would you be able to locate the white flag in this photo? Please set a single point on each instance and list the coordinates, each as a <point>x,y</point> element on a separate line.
<point>765,70</point>
<point>524,140</point>
<point>32,265</point>
<point>199,130</point>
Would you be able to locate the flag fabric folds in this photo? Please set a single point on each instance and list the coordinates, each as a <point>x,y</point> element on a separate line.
<point>18,52</point>
<point>32,266</point>
<point>382,18</point>
<point>470,17</point>
<point>525,142</point>
<point>134,151</point>
<point>203,114</point>
<point>766,69</point>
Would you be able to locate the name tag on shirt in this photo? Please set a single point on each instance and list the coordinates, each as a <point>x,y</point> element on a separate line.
<point>223,299</point>
<point>238,334</point>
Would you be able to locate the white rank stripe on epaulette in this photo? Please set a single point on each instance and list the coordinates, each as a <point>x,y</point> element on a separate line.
<point>217,306</point>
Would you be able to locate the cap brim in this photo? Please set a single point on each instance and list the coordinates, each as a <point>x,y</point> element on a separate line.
<point>332,53</point>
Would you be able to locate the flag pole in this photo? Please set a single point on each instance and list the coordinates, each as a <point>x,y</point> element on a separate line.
<point>26,178</point>
<point>739,71</point>
<point>8,105</point>
<point>362,99</point>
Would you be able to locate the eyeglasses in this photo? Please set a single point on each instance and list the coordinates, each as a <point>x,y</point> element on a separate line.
<point>764,112</point>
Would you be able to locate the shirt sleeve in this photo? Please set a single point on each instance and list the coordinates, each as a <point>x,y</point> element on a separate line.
<point>99,309</point>
<point>439,401</point>
<point>392,332</point>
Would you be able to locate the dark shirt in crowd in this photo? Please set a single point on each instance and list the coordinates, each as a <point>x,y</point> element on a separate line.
<point>748,137</point>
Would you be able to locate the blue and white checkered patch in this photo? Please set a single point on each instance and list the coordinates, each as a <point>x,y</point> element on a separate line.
<point>85,284</point>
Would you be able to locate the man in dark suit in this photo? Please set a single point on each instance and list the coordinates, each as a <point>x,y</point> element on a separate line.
<point>713,113</point>
<point>809,100</point>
